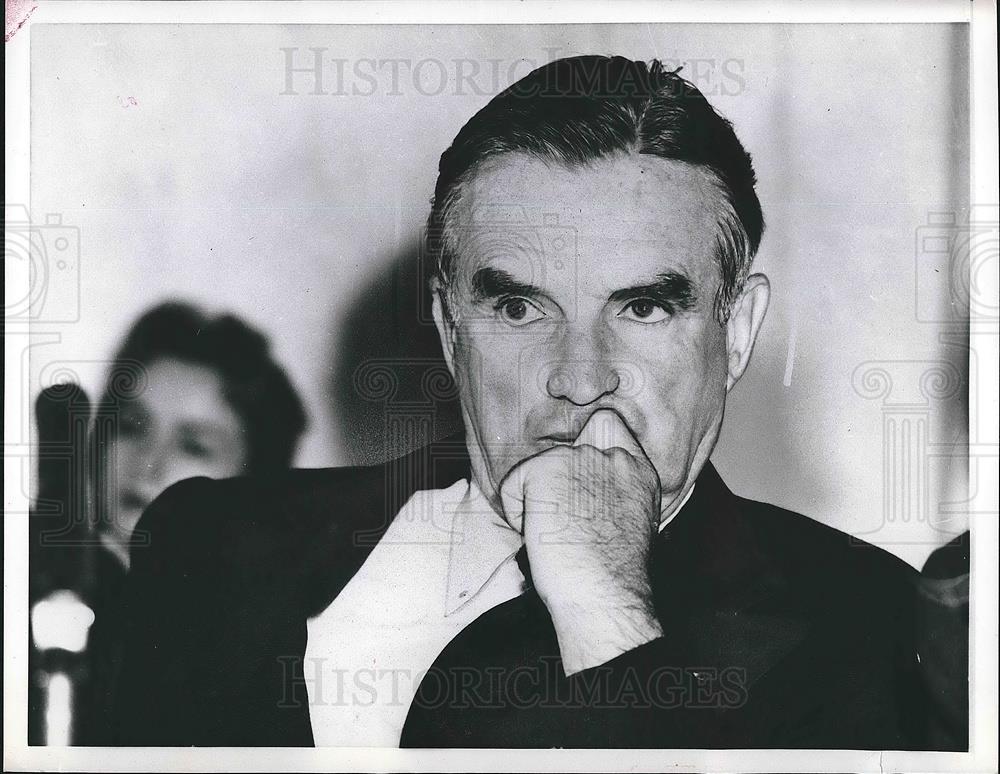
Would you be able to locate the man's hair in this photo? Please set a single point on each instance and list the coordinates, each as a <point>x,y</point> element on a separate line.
<point>254,385</point>
<point>576,110</point>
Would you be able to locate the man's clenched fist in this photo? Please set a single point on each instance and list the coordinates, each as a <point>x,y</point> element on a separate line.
<point>589,513</point>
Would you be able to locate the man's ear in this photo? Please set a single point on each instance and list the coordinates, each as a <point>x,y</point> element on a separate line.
<point>443,322</point>
<point>744,323</point>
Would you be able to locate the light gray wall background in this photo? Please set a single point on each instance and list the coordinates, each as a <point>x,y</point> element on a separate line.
<point>191,172</point>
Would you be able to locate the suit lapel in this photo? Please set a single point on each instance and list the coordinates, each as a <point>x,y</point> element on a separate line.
<point>712,572</point>
<point>320,529</point>
<point>354,514</point>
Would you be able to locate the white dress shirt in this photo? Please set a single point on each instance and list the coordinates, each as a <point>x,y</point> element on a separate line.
<point>445,559</point>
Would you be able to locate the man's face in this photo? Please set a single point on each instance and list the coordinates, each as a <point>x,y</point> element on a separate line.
<point>577,289</point>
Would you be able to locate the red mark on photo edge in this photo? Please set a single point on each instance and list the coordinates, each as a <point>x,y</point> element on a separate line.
<point>18,12</point>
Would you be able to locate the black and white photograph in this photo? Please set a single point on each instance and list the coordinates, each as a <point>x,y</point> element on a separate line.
<point>501,386</point>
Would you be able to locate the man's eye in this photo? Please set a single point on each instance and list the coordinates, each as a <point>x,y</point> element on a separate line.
<point>518,311</point>
<point>644,310</point>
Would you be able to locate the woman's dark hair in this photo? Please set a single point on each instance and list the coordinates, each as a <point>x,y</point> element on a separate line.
<point>576,110</point>
<point>253,383</point>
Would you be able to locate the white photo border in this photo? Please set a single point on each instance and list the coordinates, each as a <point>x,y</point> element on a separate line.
<point>979,14</point>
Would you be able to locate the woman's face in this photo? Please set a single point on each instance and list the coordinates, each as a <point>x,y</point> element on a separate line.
<point>181,426</point>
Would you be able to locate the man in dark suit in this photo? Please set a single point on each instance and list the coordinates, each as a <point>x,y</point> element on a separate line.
<point>574,572</point>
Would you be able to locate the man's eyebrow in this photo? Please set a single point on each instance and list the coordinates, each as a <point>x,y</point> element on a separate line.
<point>493,283</point>
<point>670,289</point>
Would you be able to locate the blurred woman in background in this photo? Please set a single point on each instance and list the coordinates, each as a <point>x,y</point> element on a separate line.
<point>187,394</point>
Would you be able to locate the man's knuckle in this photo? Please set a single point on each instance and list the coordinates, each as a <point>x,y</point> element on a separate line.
<point>621,457</point>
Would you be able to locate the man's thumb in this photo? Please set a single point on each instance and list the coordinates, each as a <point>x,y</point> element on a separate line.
<point>605,430</point>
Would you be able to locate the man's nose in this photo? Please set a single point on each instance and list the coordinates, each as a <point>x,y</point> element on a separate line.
<point>582,379</point>
<point>581,384</point>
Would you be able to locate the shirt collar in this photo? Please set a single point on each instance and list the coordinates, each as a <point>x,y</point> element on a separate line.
<point>481,542</point>
<point>676,510</point>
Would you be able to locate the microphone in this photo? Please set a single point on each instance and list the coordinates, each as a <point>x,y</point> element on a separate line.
<point>60,569</point>
<point>58,519</point>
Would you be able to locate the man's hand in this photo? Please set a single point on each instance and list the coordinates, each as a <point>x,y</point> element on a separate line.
<point>589,513</point>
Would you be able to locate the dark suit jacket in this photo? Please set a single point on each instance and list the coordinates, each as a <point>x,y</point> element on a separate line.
<point>780,632</point>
